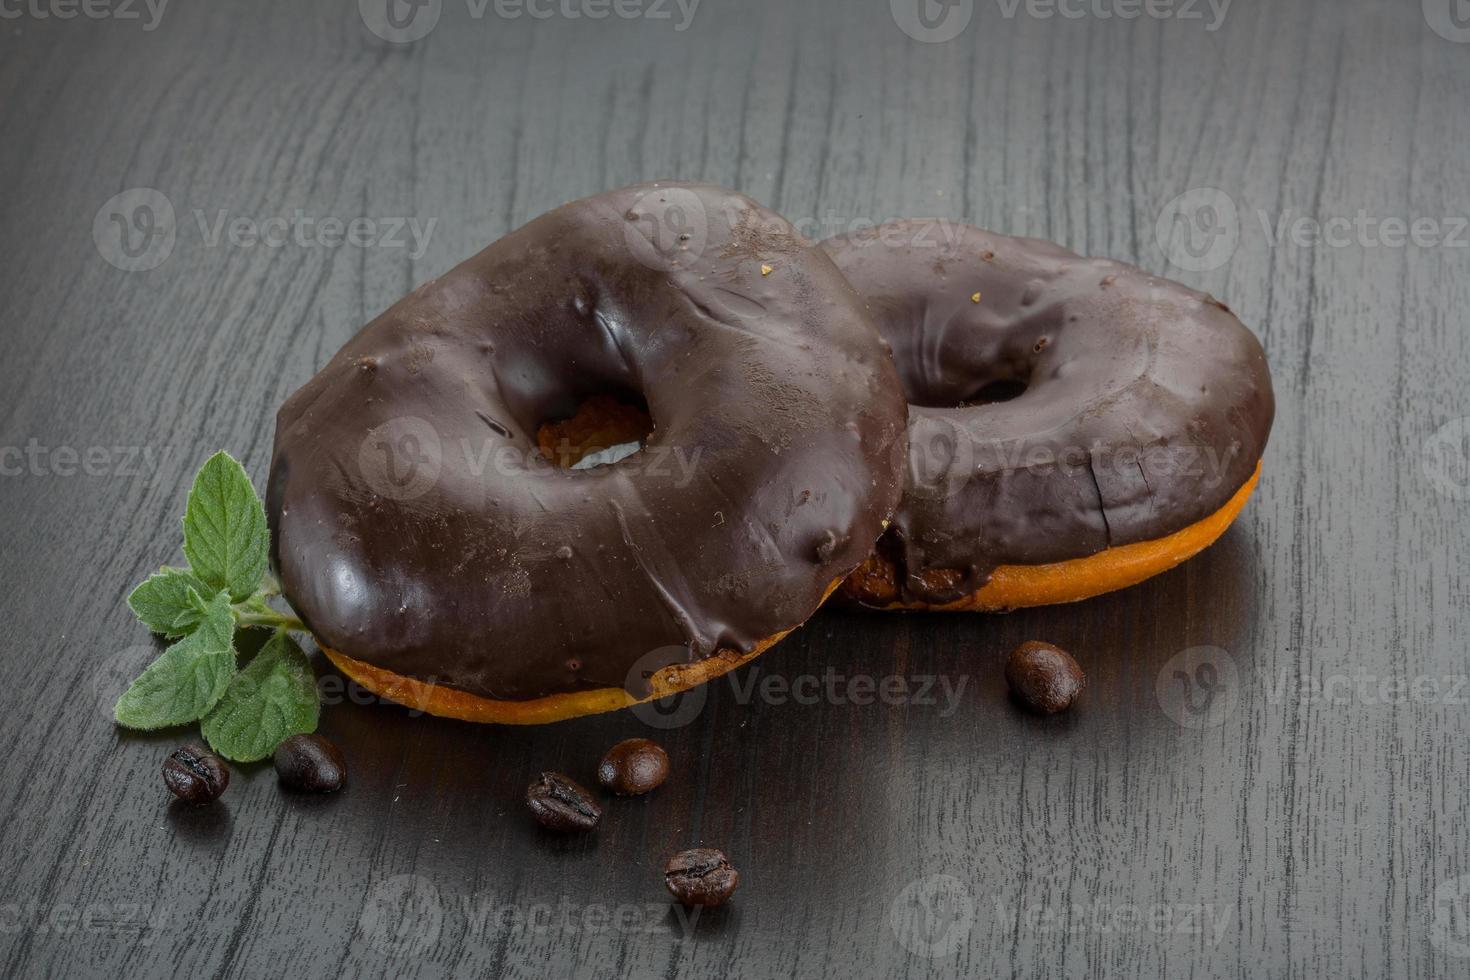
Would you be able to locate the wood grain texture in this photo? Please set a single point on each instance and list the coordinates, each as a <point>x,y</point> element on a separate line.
<point>1324,836</point>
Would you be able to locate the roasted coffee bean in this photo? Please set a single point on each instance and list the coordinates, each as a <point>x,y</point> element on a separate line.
<point>195,775</point>
<point>311,764</point>
<point>1044,677</point>
<point>558,803</point>
<point>633,767</point>
<point>701,876</point>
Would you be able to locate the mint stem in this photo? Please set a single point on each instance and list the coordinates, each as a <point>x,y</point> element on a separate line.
<point>271,618</point>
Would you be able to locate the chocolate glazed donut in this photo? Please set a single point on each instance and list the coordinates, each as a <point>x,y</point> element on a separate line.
<point>441,560</point>
<point>1076,425</point>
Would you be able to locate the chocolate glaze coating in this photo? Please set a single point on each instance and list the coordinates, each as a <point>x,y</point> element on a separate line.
<point>417,528</point>
<point>1146,404</point>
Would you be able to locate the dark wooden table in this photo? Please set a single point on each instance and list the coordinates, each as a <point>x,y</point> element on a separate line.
<point>1203,813</point>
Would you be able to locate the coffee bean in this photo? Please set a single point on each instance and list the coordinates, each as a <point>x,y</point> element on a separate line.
<point>701,876</point>
<point>195,775</point>
<point>633,767</point>
<point>558,803</point>
<point>311,764</point>
<point>1044,677</point>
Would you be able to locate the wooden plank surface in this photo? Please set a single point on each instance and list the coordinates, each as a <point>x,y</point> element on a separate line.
<point>1246,827</point>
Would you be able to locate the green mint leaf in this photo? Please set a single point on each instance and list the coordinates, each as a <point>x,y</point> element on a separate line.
<point>188,679</point>
<point>170,602</point>
<point>225,535</point>
<point>273,698</point>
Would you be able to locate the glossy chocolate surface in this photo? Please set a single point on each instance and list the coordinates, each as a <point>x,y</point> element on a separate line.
<point>1060,405</point>
<point>417,528</point>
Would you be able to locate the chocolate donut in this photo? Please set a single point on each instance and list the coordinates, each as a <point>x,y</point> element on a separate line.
<point>442,560</point>
<point>1075,425</point>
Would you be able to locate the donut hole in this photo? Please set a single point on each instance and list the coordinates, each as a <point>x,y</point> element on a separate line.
<point>602,430</point>
<point>994,392</point>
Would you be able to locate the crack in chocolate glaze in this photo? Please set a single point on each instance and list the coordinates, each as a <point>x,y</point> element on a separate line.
<point>474,563</point>
<point>1147,405</point>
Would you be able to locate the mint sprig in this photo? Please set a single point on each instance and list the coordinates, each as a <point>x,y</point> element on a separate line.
<point>245,713</point>
<point>170,602</point>
<point>270,700</point>
<point>190,677</point>
<point>225,536</point>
